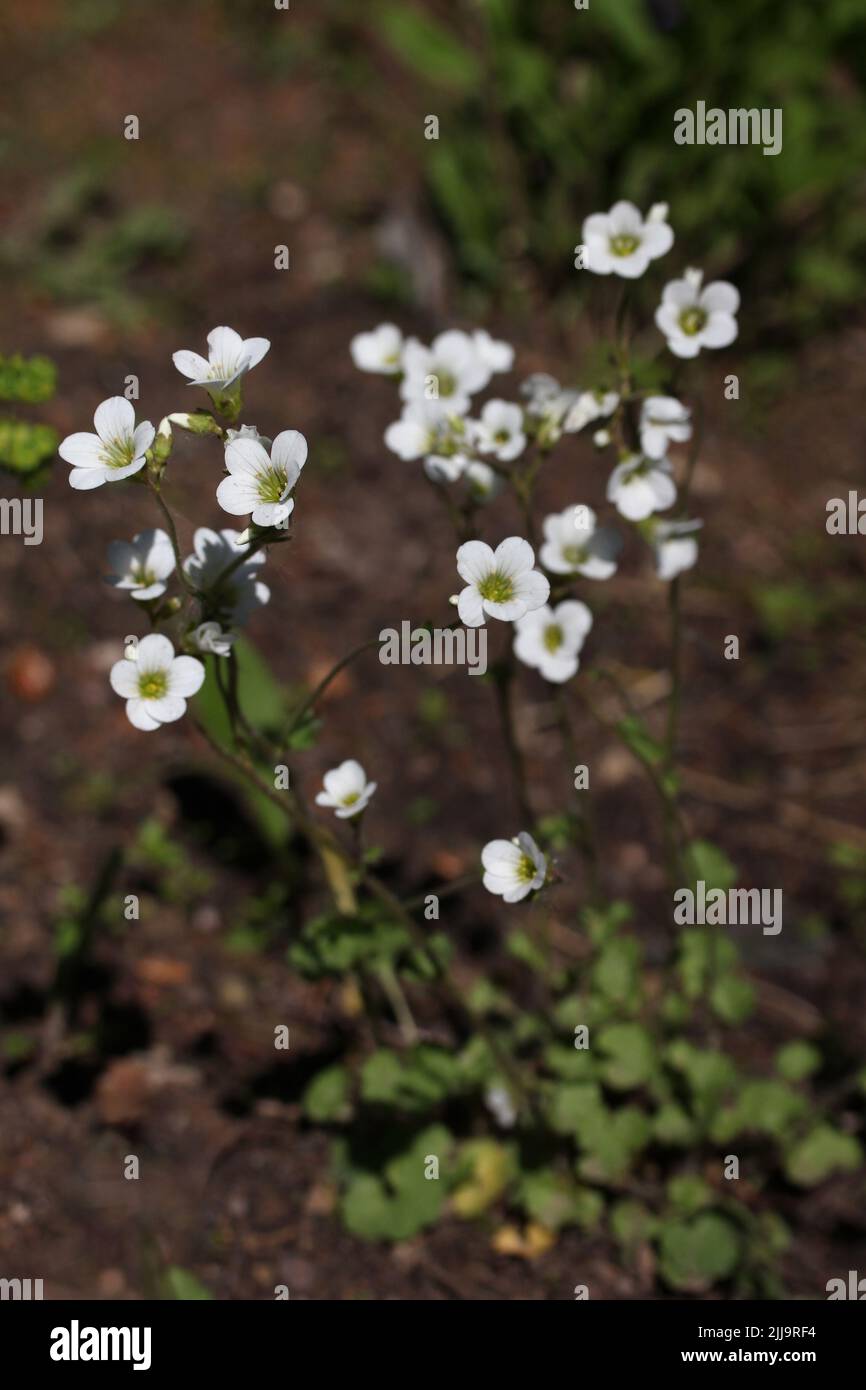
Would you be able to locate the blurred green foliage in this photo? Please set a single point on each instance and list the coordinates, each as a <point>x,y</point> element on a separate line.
<point>548,113</point>
<point>25,447</point>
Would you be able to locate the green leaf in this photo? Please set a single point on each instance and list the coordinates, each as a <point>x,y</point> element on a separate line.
<point>688,1193</point>
<point>630,1053</point>
<point>797,1060</point>
<point>671,1125</point>
<point>705,861</point>
<point>695,1255</point>
<point>733,998</point>
<point>25,447</point>
<point>602,923</point>
<point>702,954</point>
<point>403,1201</point>
<point>429,48</point>
<point>823,1151</point>
<point>632,1223</point>
<point>612,1140</point>
<point>570,1063</point>
<point>181,1284</point>
<point>327,1096</point>
<point>572,1107</point>
<point>555,1200</point>
<point>616,973</point>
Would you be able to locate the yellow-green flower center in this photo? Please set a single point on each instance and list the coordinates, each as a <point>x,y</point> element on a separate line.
<point>152,685</point>
<point>496,587</point>
<point>553,637</point>
<point>142,575</point>
<point>446,384</point>
<point>574,554</point>
<point>692,320</point>
<point>350,798</point>
<point>272,484</point>
<point>624,244</point>
<point>526,869</point>
<point>118,453</point>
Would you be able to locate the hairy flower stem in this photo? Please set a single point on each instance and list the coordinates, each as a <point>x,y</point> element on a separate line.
<point>172,535</point>
<point>504,678</point>
<point>587,843</point>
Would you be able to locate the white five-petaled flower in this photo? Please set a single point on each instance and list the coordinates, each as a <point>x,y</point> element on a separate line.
<point>575,544</point>
<point>513,868</point>
<point>234,597</point>
<point>347,791</point>
<point>692,318</point>
<point>638,487</point>
<point>229,358</point>
<point>155,685</point>
<point>259,482</point>
<point>212,637</point>
<point>663,420</point>
<point>675,547</point>
<point>500,430</point>
<point>141,565</point>
<point>550,639</point>
<point>450,371</point>
<point>379,351</point>
<point>621,242</point>
<point>502,584</point>
<point>115,451</point>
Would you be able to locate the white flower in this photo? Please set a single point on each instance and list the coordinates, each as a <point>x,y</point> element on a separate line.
<point>513,868</point>
<point>692,318</point>
<point>116,451</point>
<point>551,638</point>
<point>503,584</point>
<point>423,428</point>
<point>259,482</point>
<point>622,243</point>
<point>638,486</point>
<point>212,637</point>
<point>347,790</point>
<point>675,547</point>
<point>450,371</point>
<point>494,353</point>
<point>500,430</point>
<point>229,358</point>
<point>155,685</point>
<point>589,406</point>
<point>663,420</point>
<point>378,351</point>
<point>574,544</point>
<point>141,565</point>
<point>234,597</point>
